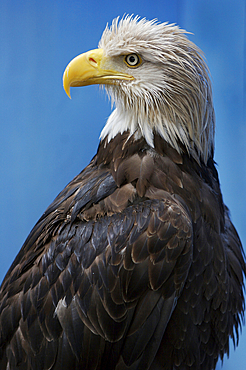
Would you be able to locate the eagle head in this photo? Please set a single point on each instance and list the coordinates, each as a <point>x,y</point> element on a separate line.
<point>158,82</point>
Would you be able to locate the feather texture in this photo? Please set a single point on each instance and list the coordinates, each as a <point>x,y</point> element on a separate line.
<point>139,263</point>
<point>135,264</point>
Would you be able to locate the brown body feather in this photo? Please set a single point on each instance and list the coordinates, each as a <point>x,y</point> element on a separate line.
<point>135,265</point>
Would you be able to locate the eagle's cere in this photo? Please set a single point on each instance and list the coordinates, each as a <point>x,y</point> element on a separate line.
<point>136,264</point>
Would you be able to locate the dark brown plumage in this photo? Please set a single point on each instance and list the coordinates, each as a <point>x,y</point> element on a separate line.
<point>135,265</point>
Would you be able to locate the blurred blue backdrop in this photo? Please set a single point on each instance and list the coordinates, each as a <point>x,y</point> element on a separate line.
<point>46,139</point>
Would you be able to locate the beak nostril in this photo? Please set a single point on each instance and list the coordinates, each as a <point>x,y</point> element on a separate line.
<point>92,60</point>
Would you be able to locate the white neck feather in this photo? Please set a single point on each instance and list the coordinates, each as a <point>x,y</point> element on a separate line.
<point>140,125</point>
<point>120,121</point>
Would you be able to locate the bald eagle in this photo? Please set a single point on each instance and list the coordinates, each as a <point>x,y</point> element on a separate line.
<point>136,264</point>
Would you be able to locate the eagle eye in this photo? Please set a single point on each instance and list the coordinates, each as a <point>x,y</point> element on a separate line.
<point>132,60</point>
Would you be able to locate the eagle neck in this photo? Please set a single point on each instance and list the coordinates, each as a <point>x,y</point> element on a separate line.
<point>140,124</point>
<point>125,145</point>
<point>126,120</point>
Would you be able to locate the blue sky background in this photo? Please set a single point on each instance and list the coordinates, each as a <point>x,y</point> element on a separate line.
<point>46,139</point>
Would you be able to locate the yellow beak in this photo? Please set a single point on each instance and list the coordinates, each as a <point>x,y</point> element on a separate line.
<point>85,69</point>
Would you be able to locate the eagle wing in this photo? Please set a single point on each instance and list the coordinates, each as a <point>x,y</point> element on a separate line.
<point>97,279</point>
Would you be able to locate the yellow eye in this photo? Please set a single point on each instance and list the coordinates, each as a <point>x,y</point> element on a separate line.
<point>132,60</point>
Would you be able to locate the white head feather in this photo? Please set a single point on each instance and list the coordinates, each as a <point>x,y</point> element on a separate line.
<point>171,92</point>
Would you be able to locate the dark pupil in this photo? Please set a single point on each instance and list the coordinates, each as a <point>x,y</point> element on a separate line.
<point>132,59</point>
